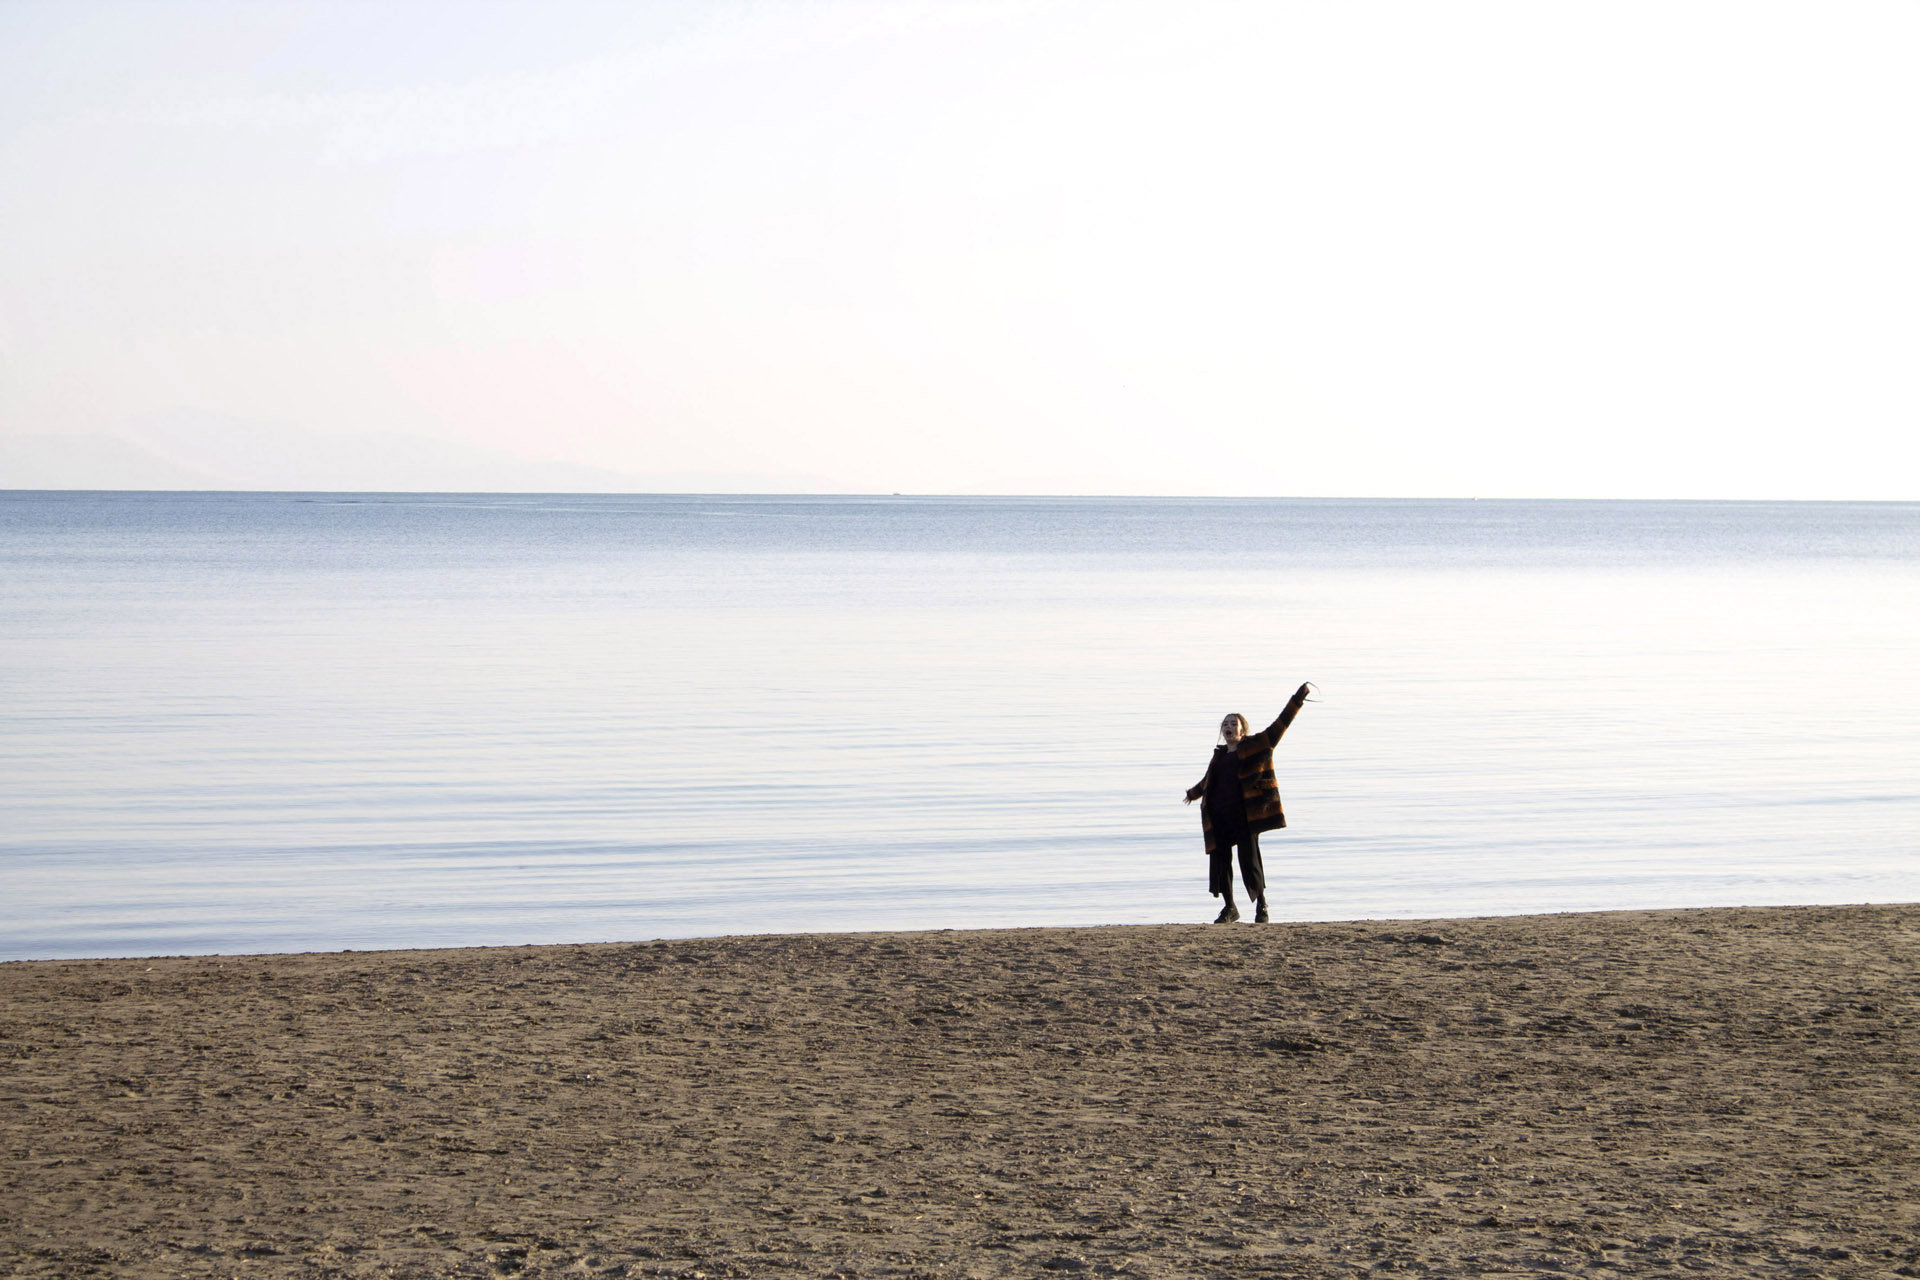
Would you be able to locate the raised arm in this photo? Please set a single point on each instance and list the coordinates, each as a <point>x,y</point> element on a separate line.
<point>1273,732</point>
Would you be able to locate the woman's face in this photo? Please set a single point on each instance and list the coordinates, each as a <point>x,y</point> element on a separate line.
<point>1231,730</point>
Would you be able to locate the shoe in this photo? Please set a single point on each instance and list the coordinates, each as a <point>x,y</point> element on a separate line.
<point>1260,916</point>
<point>1228,914</point>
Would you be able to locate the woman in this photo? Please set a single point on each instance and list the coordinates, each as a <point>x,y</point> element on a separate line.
<point>1239,798</point>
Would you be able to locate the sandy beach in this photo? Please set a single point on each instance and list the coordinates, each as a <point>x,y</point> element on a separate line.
<point>1726,1092</point>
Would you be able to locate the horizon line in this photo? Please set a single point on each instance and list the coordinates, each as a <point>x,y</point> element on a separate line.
<point>921,496</point>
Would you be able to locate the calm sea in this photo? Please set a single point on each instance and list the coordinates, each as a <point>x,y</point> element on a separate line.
<point>282,722</point>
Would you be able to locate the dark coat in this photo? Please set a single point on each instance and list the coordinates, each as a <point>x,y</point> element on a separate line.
<point>1259,789</point>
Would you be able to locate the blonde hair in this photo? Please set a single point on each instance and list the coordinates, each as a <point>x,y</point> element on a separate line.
<point>1244,727</point>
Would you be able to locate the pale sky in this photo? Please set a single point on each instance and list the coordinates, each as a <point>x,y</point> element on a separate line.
<point>1555,250</point>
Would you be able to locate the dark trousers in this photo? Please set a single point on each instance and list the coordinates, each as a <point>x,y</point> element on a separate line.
<point>1252,871</point>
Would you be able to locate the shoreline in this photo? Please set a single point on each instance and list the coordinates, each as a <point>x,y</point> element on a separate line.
<point>1726,1091</point>
<point>1384,922</point>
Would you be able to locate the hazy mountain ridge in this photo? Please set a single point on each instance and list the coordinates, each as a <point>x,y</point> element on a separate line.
<point>94,462</point>
<point>187,450</point>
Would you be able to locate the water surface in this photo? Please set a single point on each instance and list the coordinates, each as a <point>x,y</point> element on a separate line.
<point>271,722</point>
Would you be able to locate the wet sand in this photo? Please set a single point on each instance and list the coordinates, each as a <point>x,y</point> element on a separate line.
<point>1718,1093</point>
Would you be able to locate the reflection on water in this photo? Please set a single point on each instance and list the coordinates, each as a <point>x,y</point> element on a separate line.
<point>283,722</point>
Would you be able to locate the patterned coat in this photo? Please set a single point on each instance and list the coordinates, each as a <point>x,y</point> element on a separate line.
<point>1259,789</point>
